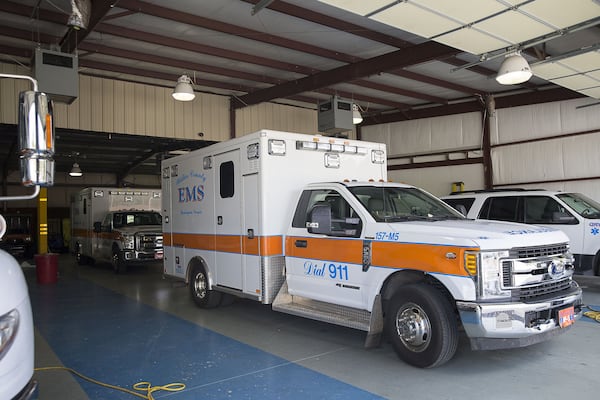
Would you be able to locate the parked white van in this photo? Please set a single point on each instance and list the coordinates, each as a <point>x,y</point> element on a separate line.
<point>575,214</point>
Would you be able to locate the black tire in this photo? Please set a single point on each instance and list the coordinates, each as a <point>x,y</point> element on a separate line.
<point>81,259</point>
<point>597,265</point>
<point>119,266</point>
<point>422,326</point>
<point>201,295</point>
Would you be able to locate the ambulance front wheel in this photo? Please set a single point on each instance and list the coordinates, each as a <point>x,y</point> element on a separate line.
<point>422,326</point>
<point>118,264</point>
<point>202,296</point>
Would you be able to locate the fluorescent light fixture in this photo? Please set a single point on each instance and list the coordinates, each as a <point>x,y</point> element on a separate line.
<point>514,69</point>
<point>356,116</point>
<point>184,91</point>
<point>75,171</point>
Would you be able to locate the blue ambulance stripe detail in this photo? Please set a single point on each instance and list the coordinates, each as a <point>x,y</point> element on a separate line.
<point>117,340</point>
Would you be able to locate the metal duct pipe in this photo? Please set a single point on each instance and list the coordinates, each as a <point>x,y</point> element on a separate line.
<point>80,14</point>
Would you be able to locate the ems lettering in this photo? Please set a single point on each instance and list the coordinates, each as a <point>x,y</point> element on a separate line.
<point>190,194</point>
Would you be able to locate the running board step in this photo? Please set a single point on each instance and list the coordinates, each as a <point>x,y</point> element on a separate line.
<point>371,322</point>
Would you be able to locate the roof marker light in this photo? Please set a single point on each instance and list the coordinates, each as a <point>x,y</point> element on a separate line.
<point>277,147</point>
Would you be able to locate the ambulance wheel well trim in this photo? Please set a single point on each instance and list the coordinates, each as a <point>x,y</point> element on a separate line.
<point>394,282</point>
<point>197,260</point>
<point>199,287</point>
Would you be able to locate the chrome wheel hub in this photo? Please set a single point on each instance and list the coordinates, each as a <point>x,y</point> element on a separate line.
<point>413,327</point>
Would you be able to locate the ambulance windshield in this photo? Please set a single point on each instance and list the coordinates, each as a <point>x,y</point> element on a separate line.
<point>134,218</point>
<point>397,204</point>
<point>583,205</point>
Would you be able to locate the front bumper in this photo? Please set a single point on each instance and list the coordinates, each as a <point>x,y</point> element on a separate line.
<point>492,326</point>
<point>134,256</point>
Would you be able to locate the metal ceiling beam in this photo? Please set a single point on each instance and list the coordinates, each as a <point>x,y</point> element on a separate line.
<point>201,48</point>
<point>170,62</point>
<point>413,55</point>
<point>219,26</point>
<point>206,23</point>
<point>354,29</point>
<point>198,48</point>
<point>513,100</point>
<point>336,23</point>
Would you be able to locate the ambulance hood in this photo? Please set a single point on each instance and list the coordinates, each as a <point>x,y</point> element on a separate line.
<point>488,235</point>
<point>156,229</point>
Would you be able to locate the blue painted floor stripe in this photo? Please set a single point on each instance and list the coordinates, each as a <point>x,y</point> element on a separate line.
<point>116,340</point>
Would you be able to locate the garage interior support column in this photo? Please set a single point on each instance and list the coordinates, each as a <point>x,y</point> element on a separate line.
<point>43,221</point>
<point>232,107</point>
<point>489,115</point>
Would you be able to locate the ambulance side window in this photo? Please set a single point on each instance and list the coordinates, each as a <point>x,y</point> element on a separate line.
<point>344,220</point>
<point>226,179</point>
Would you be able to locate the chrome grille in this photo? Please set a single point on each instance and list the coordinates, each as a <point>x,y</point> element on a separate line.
<point>548,287</point>
<point>149,242</point>
<point>541,251</point>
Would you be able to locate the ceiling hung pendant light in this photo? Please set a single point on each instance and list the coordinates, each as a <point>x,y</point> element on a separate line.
<point>75,171</point>
<point>184,91</point>
<point>514,70</point>
<point>356,115</point>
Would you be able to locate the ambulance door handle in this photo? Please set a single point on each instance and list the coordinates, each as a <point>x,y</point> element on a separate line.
<point>219,220</point>
<point>301,243</point>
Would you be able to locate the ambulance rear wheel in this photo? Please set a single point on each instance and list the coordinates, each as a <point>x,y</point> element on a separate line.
<point>202,296</point>
<point>421,326</point>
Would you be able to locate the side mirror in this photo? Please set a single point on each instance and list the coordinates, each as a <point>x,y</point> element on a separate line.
<point>97,226</point>
<point>320,219</point>
<point>563,218</point>
<point>36,139</point>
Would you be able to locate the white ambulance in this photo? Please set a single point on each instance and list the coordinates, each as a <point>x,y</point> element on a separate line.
<point>309,225</point>
<point>122,226</point>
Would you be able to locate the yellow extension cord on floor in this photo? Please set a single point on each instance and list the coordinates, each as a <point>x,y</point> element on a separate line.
<point>593,314</point>
<point>145,387</point>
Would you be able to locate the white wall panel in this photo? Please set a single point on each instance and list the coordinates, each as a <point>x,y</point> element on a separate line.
<point>438,180</point>
<point>579,120</point>
<point>528,162</point>
<point>528,122</point>
<point>276,117</point>
<point>428,135</point>
<point>378,133</point>
<point>106,105</point>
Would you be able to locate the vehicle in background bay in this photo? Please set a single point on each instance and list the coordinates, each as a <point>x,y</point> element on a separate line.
<point>122,226</point>
<point>18,239</point>
<point>310,225</point>
<point>574,213</point>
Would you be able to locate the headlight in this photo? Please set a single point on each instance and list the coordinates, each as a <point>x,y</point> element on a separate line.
<point>486,269</point>
<point>9,325</point>
<point>129,242</point>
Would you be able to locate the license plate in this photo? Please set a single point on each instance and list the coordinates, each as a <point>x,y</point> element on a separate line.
<point>566,316</point>
<point>159,256</point>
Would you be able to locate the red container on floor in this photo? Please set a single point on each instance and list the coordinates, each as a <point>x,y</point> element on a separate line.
<point>46,268</point>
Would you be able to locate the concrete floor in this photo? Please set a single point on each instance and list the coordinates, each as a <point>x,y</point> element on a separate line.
<point>122,329</point>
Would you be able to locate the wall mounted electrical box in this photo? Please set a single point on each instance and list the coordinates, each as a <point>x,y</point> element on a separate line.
<point>57,74</point>
<point>335,116</point>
